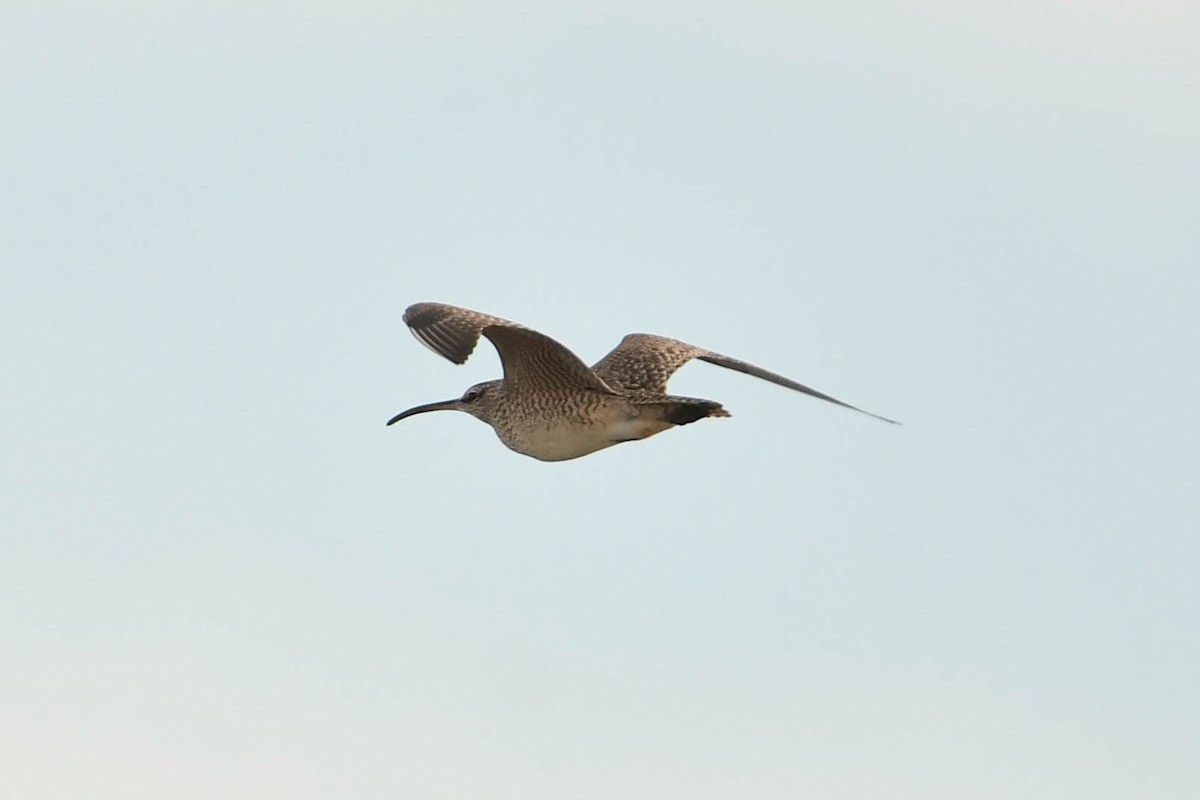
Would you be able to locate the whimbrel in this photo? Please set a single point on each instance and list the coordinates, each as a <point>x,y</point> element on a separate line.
<point>552,406</point>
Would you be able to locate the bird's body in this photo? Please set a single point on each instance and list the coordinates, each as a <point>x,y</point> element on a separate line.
<point>570,424</point>
<point>553,407</point>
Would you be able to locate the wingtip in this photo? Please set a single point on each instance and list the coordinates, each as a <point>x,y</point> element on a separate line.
<point>881,418</point>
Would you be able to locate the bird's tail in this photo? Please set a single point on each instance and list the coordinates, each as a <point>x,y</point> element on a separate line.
<point>684,410</point>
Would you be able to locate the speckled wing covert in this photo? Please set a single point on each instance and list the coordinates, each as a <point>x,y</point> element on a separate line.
<point>531,360</point>
<point>535,362</point>
<point>643,363</point>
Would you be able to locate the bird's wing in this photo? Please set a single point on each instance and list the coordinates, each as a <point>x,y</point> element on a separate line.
<point>534,361</point>
<point>449,331</point>
<point>530,359</point>
<point>643,363</point>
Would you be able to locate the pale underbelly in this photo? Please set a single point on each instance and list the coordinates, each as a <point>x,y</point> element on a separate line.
<point>564,439</point>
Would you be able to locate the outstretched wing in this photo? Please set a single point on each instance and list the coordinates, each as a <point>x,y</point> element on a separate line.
<point>643,363</point>
<point>531,360</point>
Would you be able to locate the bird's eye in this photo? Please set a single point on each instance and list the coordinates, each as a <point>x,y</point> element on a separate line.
<point>472,395</point>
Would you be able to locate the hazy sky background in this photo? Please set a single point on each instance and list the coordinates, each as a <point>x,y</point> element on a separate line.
<point>222,576</point>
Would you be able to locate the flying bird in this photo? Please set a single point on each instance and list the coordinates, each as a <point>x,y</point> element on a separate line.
<point>551,406</point>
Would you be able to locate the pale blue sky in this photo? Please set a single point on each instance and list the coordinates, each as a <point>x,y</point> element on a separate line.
<point>222,576</point>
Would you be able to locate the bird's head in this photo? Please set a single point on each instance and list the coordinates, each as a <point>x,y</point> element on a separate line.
<point>478,401</point>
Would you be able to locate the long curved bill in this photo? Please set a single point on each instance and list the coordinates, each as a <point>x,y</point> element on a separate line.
<point>444,405</point>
